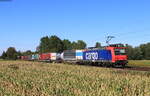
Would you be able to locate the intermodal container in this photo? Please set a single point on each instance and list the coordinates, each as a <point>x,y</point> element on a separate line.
<point>79,54</point>
<point>45,56</point>
<point>29,57</point>
<point>24,57</point>
<point>69,55</point>
<point>55,56</point>
<point>96,55</point>
<point>35,56</point>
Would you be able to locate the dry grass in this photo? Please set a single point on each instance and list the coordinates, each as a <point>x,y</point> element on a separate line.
<point>139,63</point>
<point>23,78</point>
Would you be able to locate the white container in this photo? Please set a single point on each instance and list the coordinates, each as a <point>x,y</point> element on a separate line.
<point>53,56</point>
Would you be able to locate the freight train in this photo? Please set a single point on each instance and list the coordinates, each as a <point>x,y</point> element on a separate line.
<point>112,55</point>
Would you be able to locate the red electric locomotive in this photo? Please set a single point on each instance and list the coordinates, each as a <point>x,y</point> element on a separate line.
<point>119,56</point>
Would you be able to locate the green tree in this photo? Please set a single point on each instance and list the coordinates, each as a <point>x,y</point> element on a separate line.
<point>50,44</point>
<point>98,45</point>
<point>28,52</point>
<point>67,44</point>
<point>81,44</point>
<point>4,55</point>
<point>74,45</point>
<point>130,52</point>
<point>44,45</point>
<point>145,48</point>
<point>137,53</point>
<point>11,53</point>
<point>134,53</point>
<point>55,44</point>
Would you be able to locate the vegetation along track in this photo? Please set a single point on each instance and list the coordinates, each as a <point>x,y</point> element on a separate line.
<point>135,68</point>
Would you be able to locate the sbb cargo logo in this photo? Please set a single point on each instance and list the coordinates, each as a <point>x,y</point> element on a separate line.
<point>91,56</point>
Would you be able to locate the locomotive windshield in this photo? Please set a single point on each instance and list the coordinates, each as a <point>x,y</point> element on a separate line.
<point>120,52</point>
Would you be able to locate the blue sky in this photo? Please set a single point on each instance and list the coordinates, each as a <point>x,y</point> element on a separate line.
<point>24,22</point>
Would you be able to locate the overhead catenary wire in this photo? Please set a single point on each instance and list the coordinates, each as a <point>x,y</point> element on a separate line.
<point>126,34</point>
<point>133,36</point>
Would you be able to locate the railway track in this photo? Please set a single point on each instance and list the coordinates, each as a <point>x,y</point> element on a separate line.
<point>135,68</point>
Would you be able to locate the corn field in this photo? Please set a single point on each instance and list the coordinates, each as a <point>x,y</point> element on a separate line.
<point>24,78</point>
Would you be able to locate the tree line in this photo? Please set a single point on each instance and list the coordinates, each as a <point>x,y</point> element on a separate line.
<point>141,52</point>
<point>48,44</point>
<point>55,44</point>
<point>12,54</point>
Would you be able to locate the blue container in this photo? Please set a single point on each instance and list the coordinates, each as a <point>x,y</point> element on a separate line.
<point>79,54</point>
<point>97,55</point>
